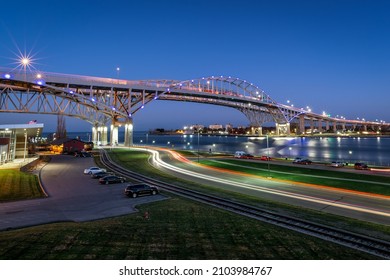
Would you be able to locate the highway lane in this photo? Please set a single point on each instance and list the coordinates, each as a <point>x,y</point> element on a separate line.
<point>72,196</point>
<point>364,207</point>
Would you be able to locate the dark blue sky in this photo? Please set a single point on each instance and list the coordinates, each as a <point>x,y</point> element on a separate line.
<point>333,56</point>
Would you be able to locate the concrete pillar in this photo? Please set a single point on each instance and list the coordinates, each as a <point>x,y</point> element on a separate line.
<point>260,131</point>
<point>288,129</point>
<point>311,125</point>
<point>365,127</point>
<point>277,129</point>
<point>95,134</point>
<point>102,135</point>
<point>320,125</point>
<point>334,127</point>
<point>253,130</point>
<point>129,132</point>
<point>343,126</point>
<point>327,125</point>
<point>114,133</point>
<point>301,124</point>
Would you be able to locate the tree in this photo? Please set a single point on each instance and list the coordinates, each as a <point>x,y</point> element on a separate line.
<point>61,129</point>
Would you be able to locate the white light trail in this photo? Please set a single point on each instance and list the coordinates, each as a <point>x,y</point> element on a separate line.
<point>157,160</point>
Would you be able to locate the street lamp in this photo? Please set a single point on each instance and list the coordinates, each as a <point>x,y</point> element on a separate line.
<point>198,143</point>
<point>117,72</point>
<point>269,171</point>
<point>25,146</point>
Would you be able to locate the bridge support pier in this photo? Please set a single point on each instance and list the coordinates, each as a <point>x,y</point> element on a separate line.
<point>129,132</point>
<point>283,129</point>
<point>99,135</point>
<point>319,125</point>
<point>301,124</point>
<point>259,130</point>
<point>114,134</point>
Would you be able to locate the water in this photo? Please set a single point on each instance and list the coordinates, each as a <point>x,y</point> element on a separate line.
<point>371,150</point>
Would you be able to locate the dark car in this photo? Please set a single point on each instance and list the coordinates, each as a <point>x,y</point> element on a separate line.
<point>111,179</point>
<point>140,189</point>
<point>302,161</point>
<point>101,174</point>
<point>361,166</point>
<point>247,156</point>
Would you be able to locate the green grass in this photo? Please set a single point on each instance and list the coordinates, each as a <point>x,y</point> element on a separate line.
<point>17,185</point>
<point>177,229</point>
<point>308,175</point>
<point>138,161</point>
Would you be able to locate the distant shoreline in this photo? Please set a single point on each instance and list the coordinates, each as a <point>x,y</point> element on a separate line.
<point>244,135</point>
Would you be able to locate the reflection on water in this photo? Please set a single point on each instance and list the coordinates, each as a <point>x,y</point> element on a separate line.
<point>371,150</point>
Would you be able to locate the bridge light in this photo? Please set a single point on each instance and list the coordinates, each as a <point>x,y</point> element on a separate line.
<point>113,108</point>
<point>143,106</point>
<point>39,76</point>
<point>93,99</point>
<point>7,76</point>
<point>25,61</point>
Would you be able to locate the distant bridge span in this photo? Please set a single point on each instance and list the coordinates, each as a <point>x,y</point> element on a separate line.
<point>103,101</point>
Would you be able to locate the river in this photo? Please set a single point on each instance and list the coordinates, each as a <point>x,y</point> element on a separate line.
<point>370,150</point>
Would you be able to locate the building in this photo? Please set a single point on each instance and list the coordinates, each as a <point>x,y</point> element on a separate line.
<point>69,146</point>
<point>16,139</point>
<point>216,127</point>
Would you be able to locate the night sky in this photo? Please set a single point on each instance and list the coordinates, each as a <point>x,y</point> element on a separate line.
<point>333,56</point>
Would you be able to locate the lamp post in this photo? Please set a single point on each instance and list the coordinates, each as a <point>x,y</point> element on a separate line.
<point>25,146</point>
<point>117,72</point>
<point>198,144</point>
<point>269,171</point>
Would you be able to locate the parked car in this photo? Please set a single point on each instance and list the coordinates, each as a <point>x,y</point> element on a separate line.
<point>302,161</point>
<point>101,174</point>
<point>361,166</point>
<point>112,179</point>
<point>337,164</point>
<point>93,170</point>
<point>140,189</point>
<point>243,155</point>
<point>297,159</point>
<point>265,158</point>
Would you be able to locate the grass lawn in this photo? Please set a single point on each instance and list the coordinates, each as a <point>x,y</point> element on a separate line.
<point>16,185</point>
<point>137,161</point>
<point>177,229</point>
<point>308,175</point>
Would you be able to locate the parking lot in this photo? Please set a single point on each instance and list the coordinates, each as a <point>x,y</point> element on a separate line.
<point>72,196</point>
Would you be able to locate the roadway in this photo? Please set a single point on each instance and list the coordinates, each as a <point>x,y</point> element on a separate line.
<point>365,207</point>
<point>72,197</point>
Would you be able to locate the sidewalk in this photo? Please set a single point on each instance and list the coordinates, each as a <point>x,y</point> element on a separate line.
<point>17,163</point>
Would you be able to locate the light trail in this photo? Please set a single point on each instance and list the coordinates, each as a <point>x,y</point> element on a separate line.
<point>159,162</point>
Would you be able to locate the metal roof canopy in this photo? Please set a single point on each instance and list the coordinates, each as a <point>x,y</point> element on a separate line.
<point>32,130</point>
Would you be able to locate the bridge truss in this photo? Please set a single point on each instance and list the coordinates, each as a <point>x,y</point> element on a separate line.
<point>104,100</point>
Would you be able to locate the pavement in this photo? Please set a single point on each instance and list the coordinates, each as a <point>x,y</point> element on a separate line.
<point>17,163</point>
<point>72,197</point>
